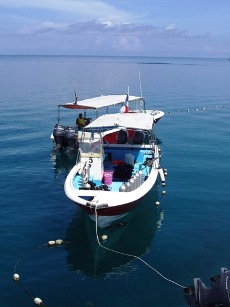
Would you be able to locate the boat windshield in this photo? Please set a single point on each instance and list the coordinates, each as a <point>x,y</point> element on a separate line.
<point>91,145</point>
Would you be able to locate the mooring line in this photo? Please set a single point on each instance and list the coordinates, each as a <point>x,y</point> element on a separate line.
<point>133,256</point>
<point>196,109</point>
<point>16,276</point>
<point>19,258</point>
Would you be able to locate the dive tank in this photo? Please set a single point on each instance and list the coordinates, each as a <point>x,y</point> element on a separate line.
<point>132,183</point>
<point>122,188</point>
<point>140,177</point>
<point>128,186</point>
<point>137,179</point>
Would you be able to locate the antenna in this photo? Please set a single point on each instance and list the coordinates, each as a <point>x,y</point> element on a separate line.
<point>140,83</point>
<point>143,101</point>
<point>75,92</point>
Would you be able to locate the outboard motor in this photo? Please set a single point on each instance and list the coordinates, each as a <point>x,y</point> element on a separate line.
<point>59,134</point>
<point>71,138</point>
<point>217,295</point>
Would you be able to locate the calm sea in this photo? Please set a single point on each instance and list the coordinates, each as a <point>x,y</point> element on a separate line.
<point>186,237</point>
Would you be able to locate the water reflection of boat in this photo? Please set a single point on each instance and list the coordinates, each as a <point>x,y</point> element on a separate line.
<point>132,235</point>
<point>62,164</point>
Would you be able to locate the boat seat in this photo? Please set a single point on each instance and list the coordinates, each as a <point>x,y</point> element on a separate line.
<point>122,136</point>
<point>138,137</point>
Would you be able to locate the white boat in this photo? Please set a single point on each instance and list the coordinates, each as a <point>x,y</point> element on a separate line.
<point>118,164</point>
<point>67,136</point>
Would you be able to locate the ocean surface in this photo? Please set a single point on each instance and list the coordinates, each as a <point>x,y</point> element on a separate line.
<point>186,237</point>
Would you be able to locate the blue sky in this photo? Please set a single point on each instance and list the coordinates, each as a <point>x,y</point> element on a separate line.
<point>199,28</point>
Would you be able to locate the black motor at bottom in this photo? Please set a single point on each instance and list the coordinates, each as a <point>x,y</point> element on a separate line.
<point>65,136</point>
<point>217,295</point>
<point>71,138</point>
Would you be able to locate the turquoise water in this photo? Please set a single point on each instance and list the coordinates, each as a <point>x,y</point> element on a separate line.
<point>186,237</point>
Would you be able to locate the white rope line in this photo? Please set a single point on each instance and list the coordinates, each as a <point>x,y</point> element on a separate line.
<point>129,255</point>
<point>226,287</point>
<point>196,109</point>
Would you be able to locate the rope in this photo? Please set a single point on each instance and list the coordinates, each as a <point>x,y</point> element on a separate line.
<point>194,109</point>
<point>226,287</point>
<point>19,258</point>
<point>40,303</point>
<point>134,256</point>
<point>16,277</point>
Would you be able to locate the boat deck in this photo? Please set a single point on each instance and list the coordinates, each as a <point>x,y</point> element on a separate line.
<point>118,170</point>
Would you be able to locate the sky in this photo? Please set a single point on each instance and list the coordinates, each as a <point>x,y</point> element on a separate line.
<point>181,28</point>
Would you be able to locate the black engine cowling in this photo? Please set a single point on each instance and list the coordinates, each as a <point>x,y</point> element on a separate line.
<point>59,134</point>
<point>65,136</point>
<point>71,138</point>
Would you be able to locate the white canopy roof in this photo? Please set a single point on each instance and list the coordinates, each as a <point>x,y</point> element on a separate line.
<point>128,120</point>
<point>99,102</point>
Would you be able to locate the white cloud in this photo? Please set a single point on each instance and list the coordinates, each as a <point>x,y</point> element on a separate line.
<point>171,27</point>
<point>83,9</point>
<point>97,26</point>
<point>127,43</point>
<point>42,28</point>
<point>103,28</point>
<point>75,16</point>
<point>215,49</point>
